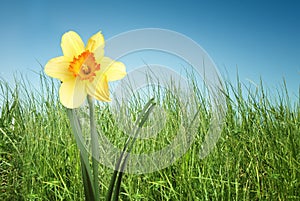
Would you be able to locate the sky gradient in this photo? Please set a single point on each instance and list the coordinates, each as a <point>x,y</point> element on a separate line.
<point>259,39</point>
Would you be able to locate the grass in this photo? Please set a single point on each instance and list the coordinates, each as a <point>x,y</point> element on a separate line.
<point>256,158</point>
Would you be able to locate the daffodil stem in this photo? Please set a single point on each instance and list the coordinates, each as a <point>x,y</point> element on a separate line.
<point>95,147</point>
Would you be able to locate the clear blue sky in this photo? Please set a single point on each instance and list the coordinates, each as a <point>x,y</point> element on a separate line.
<point>259,38</point>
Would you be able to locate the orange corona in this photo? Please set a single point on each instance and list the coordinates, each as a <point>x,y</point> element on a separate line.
<point>84,66</point>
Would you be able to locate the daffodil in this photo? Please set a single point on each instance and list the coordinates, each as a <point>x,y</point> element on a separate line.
<point>83,70</point>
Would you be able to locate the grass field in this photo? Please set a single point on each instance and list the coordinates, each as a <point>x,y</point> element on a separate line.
<point>256,158</point>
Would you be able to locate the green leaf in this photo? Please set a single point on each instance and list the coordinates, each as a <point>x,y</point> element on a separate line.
<point>129,143</point>
<point>83,152</point>
<point>95,147</point>
<point>87,183</point>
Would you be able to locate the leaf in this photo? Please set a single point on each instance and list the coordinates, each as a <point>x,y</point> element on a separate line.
<point>87,173</point>
<point>87,183</point>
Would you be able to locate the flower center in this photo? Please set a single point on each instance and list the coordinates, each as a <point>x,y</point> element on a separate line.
<point>84,66</point>
<point>85,69</point>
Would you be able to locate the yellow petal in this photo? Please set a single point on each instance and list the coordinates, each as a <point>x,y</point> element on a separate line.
<point>71,44</point>
<point>114,70</point>
<point>58,68</point>
<point>95,42</point>
<point>72,93</point>
<point>99,89</point>
<point>98,54</point>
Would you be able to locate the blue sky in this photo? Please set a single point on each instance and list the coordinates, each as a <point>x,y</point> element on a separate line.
<point>259,38</point>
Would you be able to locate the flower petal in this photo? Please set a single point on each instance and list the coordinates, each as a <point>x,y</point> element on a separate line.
<point>95,42</point>
<point>99,89</point>
<point>72,93</point>
<point>59,68</point>
<point>71,44</point>
<point>114,70</point>
<point>98,54</point>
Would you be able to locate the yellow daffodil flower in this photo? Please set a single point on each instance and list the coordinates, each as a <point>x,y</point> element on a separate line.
<point>83,70</point>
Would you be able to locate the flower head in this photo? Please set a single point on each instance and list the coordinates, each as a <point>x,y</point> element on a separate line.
<point>83,70</point>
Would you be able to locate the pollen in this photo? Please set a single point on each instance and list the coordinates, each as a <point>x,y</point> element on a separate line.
<point>84,66</point>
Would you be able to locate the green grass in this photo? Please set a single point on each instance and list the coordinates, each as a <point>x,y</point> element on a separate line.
<point>256,158</point>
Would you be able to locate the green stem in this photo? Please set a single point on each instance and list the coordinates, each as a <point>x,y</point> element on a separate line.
<point>95,148</point>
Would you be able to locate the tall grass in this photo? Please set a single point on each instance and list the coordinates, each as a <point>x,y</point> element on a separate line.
<point>256,158</point>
